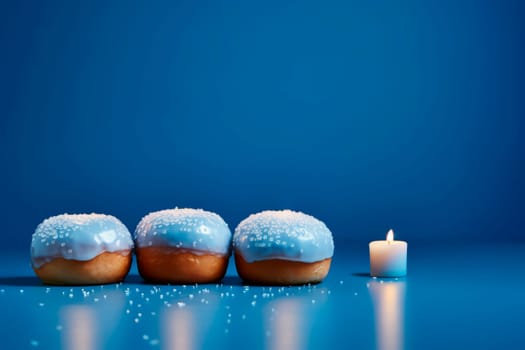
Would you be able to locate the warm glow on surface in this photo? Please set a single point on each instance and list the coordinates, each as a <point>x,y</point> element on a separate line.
<point>389,308</point>
<point>390,236</point>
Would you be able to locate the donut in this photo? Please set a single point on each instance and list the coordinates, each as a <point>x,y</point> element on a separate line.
<point>76,249</point>
<point>182,246</point>
<point>282,247</point>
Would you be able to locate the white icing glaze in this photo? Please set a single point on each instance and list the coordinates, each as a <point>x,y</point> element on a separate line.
<point>283,234</point>
<point>78,237</point>
<point>194,230</point>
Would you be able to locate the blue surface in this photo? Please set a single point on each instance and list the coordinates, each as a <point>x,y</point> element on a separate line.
<point>467,297</point>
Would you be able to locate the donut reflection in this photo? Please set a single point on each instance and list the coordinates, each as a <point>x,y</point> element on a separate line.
<point>80,330</point>
<point>389,304</point>
<point>285,325</point>
<point>87,326</point>
<point>188,326</point>
<point>179,330</point>
<point>289,321</point>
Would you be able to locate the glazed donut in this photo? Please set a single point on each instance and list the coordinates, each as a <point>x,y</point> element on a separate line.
<point>282,247</point>
<point>73,249</point>
<point>182,246</point>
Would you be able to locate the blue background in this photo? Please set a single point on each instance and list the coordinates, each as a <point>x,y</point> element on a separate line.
<point>366,114</point>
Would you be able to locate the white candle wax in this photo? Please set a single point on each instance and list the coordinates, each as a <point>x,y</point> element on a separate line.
<point>388,258</point>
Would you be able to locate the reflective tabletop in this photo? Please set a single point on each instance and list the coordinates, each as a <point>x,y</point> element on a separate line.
<point>452,298</point>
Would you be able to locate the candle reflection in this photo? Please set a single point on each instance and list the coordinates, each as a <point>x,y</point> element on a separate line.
<point>79,331</point>
<point>389,303</point>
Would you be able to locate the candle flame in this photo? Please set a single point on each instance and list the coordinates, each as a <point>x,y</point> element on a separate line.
<point>390,236</point>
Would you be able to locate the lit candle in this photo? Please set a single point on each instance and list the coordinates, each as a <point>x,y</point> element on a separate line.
<point>388,258</point>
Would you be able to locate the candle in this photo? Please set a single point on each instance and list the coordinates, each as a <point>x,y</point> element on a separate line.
<point>388,258</point>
